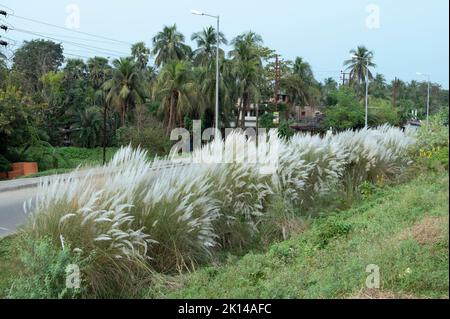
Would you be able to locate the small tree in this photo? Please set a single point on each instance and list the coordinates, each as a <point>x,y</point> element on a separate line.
<point>346,114</point>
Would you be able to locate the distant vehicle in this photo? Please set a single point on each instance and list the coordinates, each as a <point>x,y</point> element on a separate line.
<point>412,125</point>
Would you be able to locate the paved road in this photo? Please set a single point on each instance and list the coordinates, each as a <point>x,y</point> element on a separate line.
<point>11,209</point>
<point>14,193</point>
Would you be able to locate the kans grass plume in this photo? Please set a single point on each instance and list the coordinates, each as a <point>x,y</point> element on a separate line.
<point>171,215</point>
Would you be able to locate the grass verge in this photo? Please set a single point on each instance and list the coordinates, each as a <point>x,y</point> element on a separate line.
<point>7,265</point>
<point>401,229</point>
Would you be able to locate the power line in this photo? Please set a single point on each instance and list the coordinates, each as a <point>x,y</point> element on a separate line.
<point>81,45</point>
<point>76,55</point>
<point>69,30</point>
<point>66,36</point>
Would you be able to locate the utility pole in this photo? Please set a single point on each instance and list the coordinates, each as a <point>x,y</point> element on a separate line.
<point>277,78</point>
<point>395,88</point>
<point>343,77</point>
<point>217,75</point>
<point>367,95</point>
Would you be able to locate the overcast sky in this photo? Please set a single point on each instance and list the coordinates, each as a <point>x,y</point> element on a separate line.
<point>406,36</point>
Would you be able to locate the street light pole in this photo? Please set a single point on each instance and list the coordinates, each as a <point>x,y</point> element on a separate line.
<point>217,73</point>
<point>195,12</point>
<point>366,121</point>
<point>366,118</point>
<point>428,93</point>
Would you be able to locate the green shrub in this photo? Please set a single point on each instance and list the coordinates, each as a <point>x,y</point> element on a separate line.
<point>5,165</point>
<point>285,130</point>
<point>330,228</point>
<point>435,159</point>
<point>266,120</point>
<point>44,271</point>
<point>432,135</point>
<point>49,158</point>
<point>152,138</point>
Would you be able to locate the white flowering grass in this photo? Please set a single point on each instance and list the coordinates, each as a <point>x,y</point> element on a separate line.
<point>171,216</point>
<point>326,162</point>
<point>373,154</point>
<point>177,209</point>
<point>237,186</point>
<point>73,212</point>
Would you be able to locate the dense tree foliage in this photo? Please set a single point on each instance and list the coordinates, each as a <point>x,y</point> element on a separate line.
<point>46,99</point>
<point>34,59</point>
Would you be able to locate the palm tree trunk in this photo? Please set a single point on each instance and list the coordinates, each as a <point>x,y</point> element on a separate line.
<point>172,110</point>
<point>104,134</point>
<point>244,108</point>
<point>238,114</point>
<point>122,116</point>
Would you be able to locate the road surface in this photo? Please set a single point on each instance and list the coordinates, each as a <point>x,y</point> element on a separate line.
<point>14,193</point>
<point>11,209</point>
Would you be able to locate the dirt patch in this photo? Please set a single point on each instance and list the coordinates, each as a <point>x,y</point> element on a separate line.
<point>428,231</point>
<point>380,294</point>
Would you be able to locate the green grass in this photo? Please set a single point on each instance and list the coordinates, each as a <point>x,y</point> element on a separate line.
<point>329,260</point>
<point>72,157</point>
<point>7,265</point>
<point>65,159</point>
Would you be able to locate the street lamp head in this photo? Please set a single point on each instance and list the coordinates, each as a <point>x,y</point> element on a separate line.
<point>196,12</point>
<point>423,74</point>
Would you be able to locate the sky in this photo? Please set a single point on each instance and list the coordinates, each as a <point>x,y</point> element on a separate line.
<point>406,36</point>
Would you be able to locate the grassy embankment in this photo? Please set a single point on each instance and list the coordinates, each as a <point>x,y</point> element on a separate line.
<point>402,229</point>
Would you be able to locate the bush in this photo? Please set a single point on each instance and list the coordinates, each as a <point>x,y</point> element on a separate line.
<point>348,113</point>
<point>330,228</point>
<point>285,130</point>
<point>382,112</point>
<point>266,120</point>
<point>45,271</point>
<point>435,159</point>
<point>151,138</point>
<point>5,165</point>
<point>432,135</point>
<point>49,158</point>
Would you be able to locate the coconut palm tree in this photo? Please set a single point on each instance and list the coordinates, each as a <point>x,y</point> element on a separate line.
<point>175,89</point>
<point>89,126</point>
<point>126,88</point>
<point>398,88</point>
<point>357,65</point>
<point>378,87</point>
<point>169,45</point>
<point>99,71</point>
<point>247,68</point>
<point>205,79</point>
<point>140,54</point>
<point>206,45</point>
<point>303,69</point>
<point>300,85</point>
